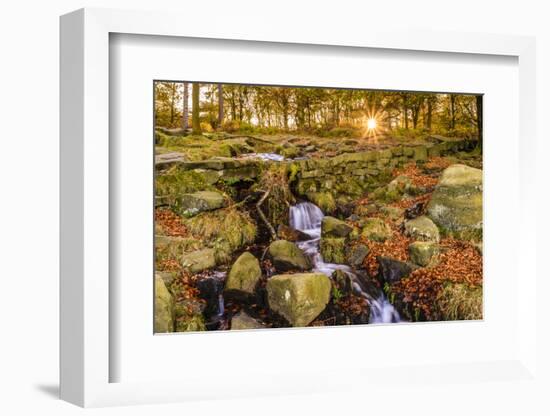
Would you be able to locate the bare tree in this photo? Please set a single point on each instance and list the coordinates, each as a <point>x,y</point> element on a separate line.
<point>220,105</point>
<point>196,109</point>
<point>185,117</point>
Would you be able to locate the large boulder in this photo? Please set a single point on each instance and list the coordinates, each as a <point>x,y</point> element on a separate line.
<point>376,229</point>
<point>335,228</point>
<point>300,298</point>
<point>243,321</point>
<point>190,205</point>
<point>244,275</point>
<point>392,270</point>
<point>287,256</point>
<point>199,260</point>
<point>422,229</point>
<point>456,205</point>
<point>164,307</point>
<point>423,252</point>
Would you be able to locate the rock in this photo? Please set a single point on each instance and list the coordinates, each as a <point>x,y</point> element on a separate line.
<point>393,213</point>
<point>376,229</point>
<point>422,252</point>
<point>456,203</point>
<point>243,321</point>
<point>422,229</point>
<point>199,260</point>
<point>333,227</point>
<point>392,270</point>
<point>399,185</point>
<point>343,281</point>
<point>164,307</point>
<point>189,317</point>
<point>244,275</point>
<point>190,205</point>
<point>414,211</point>
<point>333,250</point>
<point>300,298</point>
<point>356,254</point>
<point>290,234</point>
<point>286,256</point>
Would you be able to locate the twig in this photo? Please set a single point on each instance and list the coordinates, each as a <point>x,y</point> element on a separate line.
<point>263,217</point>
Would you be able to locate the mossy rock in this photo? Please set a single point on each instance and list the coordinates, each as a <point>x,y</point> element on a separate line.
<point>244,321</point>
<point>422,229</point>
<point>423,252</point>
<point>198,261</point>
<point>456,205</point>
<point>190,205</point>
<point>333,227</point>
<point>244,274</point>
<point>324,200</point>
<point>299,298</point>
<point>164,307</point>
<point>333,250</point>
<point>376,229</point>
<point>287,256</point>
<point>356,254</point>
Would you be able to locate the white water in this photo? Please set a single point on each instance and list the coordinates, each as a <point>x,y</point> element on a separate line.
<point>307,217</point>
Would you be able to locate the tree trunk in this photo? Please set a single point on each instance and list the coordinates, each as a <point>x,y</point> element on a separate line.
<point>452,109</point>
<point>220,105</point>
<point>185,116</point>
<point>196,109</point>
<point>479,119</point>
<point>172,104</point>
<point>429,115</point>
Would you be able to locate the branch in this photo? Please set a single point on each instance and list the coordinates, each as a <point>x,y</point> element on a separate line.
<point>263,217</point>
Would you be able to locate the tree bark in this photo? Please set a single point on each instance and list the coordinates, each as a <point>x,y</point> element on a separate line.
<point>452,109</point>
<point>479,119</point>
<point>196,109</point>
<point>185,116</point>
<point>220,106</point>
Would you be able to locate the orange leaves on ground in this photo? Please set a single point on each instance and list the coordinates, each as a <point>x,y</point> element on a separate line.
<point>396,247</point>
<point>168,265</point>
<point>437,163</point>
<point>407,203</point>
<point>459,262</point>
<point>417,177</point>
<point>170,223</point>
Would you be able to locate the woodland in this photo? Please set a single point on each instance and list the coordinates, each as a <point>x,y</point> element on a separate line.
<point>285,206</point>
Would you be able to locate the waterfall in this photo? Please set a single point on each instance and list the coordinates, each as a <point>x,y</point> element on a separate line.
<point>307,217</point>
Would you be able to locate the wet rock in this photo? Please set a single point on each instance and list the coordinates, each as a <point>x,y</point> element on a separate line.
<point>456,203</point>
<point>164,307</point>
<point>392,270</point>
<point>285,232</point>
<point>286,256</point>
<point>199,260</point>
<point>422,229</point>
<point>244,274</point>
<point>376,229</point>
<point>243,321</point>
<point>190,205</point>
<point>333,227</point>
<point>423,252</point>
<point>299,298</point>
<point>343,281</point>
<point>356,254</point>
<point>333,249</point>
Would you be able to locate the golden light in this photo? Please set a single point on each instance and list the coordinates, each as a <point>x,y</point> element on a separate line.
<point>371,123</point>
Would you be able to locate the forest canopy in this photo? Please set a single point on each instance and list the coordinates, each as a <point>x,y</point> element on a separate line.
<point>322,111</point>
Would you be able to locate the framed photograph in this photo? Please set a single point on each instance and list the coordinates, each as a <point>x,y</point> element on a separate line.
<point>291,209</point>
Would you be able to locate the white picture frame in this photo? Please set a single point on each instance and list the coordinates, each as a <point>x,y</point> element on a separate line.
<point>85,212</point>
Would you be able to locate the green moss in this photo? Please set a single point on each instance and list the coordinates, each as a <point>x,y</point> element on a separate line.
<point>226,230</point>
<point>333,250</point>
<point>323,200</point>
<point>176,182</point>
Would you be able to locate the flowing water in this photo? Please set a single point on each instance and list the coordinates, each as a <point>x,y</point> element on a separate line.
<point>307,217</point>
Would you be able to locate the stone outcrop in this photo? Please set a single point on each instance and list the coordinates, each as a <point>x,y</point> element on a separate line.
<point>164,307</point>
<point>244,275</point>
<point>422,229</point>
<point>299,298</point>
<point>287,256</point>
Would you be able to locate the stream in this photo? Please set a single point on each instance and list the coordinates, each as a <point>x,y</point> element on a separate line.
<point>307,217</point>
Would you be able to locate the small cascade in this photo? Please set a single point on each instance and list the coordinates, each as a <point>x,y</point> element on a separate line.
<point>307,217</point>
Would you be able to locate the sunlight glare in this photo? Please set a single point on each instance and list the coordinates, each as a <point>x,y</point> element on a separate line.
<point>371,123</point>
